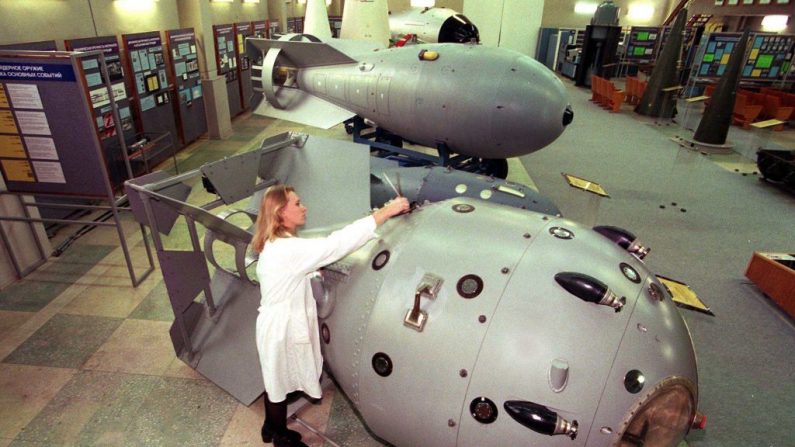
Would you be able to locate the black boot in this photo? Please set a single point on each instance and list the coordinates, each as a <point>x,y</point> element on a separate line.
<point>284,439</point>
<point>268,433</point>
<point>275,425</point>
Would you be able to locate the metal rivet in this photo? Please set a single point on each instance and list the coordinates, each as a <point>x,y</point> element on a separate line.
<point>505,270</point>
<point>527,235</point>
<point>450,423</point>
<point>463,208</point>
<point>561,233</point>
<point>482,318</point>
<point>463,373</point>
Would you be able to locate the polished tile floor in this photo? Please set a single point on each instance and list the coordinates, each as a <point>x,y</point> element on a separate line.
<point>86,359</point>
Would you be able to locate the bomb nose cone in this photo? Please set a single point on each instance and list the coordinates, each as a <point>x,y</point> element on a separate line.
<point>568,116</point>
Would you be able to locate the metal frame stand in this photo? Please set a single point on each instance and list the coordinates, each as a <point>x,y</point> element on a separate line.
<point>114,208</point>
<point>374,137</point>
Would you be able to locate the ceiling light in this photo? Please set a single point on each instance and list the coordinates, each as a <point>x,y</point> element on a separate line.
<point>250,1</point>
<point>423,3</point>
<point>774,23</point>
<point>135,6</point>
<point>585,8</point>
<point>640,12</point>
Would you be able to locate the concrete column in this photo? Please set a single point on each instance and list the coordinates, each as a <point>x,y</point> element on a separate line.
<point>512,24</point>
<point>197,15</point>
<point>277,11</point>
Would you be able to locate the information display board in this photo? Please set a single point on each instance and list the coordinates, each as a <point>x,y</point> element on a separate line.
<point>295,25</point>
<point>100,102</point>
<point>718,49</point>
<point>769,57</point>
<point>151,90</point>
<point>48,138</point>
<point>260,29</point>
<point>187,81</point>
<point>243,31</point>
<point>226,57</point>
<point>642,43</point>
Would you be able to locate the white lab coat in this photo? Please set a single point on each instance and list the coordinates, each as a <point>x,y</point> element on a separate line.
<point>287,333</point>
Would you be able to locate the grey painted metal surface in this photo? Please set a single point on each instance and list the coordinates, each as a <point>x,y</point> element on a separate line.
<point>503,344</point>
<point>499,326</point>
<point>478,101</point>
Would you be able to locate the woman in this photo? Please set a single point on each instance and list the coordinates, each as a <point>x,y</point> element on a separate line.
<point>287,333</point>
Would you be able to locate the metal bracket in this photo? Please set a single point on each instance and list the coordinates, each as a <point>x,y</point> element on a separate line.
<point>428,286</point>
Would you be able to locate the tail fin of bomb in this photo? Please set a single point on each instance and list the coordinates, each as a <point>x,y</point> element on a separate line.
<point>300,54</point>
<point>272,78</point>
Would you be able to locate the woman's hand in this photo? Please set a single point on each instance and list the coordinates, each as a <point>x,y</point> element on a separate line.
<point>398,205</point>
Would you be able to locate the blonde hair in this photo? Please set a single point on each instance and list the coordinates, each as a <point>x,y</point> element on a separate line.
<point>269,225</point>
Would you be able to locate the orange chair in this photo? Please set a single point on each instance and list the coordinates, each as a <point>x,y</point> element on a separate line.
<point>594,88</point>
<point>630,87</point>
<point>774,110</point>
<point>744,114</point>
<point>709,89</point>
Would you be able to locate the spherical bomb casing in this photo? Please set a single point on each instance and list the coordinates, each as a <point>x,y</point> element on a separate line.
<point>520,326</point>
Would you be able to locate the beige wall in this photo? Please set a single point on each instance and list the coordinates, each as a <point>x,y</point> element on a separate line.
<point>115,17</point>
<point>295,9</point>
<point>31,21</point>
<point>224,13</point>
<point>36,20</point>
<point>560,13</point>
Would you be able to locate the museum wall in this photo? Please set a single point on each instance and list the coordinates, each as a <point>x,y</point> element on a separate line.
<point>32,21</point>
<point>511,24</point>
<point>560,13</point>
<point>224,13</point>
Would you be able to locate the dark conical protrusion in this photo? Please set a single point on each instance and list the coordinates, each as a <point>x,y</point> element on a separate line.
<point>714,125</point>
<point>540,418</point>
<point>656,102</point>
